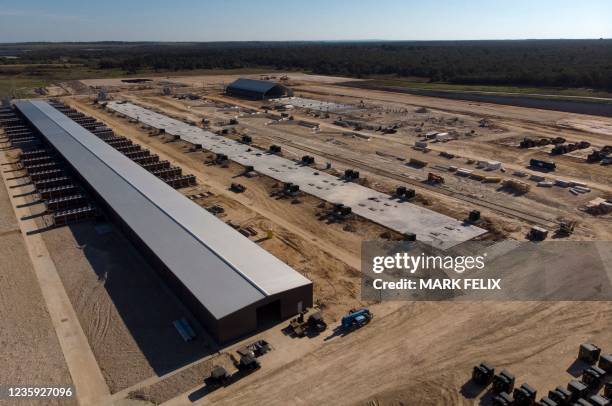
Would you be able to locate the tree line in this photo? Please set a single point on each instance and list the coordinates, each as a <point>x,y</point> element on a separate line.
<point>557,63</point>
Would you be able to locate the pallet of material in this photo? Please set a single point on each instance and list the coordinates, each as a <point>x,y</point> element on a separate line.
<point>477,175</point>
<point>516,185</point>
<point>581,189</point>
<point>417,163</point>
<point>464,172</point>
<point>492,179</point>
<point>562,183</point>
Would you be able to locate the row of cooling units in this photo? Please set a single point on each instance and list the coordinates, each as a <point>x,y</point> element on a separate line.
<point>55,183</point>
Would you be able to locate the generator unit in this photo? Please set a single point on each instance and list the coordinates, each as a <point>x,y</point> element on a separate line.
<point>560,395</point>
<point>502,399</point>
<point>483,374</point>
<point>589,353</point>
<point>525,395</point>
<point>577,389</point>
<point>503,382</point>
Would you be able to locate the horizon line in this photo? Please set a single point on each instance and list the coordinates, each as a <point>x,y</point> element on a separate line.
<point>303,40</point>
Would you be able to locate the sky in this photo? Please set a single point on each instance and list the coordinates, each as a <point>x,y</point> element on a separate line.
<point>289,20</point>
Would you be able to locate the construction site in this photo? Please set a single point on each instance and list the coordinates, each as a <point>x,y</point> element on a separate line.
<point>198,240</point>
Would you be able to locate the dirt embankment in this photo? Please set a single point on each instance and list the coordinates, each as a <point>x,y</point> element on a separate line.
<point>31,353</point>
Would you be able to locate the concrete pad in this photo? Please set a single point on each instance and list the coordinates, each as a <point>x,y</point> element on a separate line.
<point>442,231</point>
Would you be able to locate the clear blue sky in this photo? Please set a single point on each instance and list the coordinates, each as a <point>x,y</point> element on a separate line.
<point>242,20</point>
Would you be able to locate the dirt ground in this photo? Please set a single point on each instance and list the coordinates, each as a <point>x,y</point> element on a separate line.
<point>124,309</point>
<point>497,141</point>
<point>31,354</point>
<point>423,352</point>
<point>413,352</point>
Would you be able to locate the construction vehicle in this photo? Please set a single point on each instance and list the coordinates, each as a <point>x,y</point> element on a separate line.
<point>356,319</point>
<point>247,363</point>
<point>237,188</point>
<point>434,178</point>
<point>351,174</point>
<point>290,189</point>
<point>256,349</point>
<point>218,377</point>
<point>340,211</point>
<point>402,192</point>
<point>316,323</point>
<point>221,158</point>
<point>566,227</point>
<point>308,322</point>
<point>308,160</point>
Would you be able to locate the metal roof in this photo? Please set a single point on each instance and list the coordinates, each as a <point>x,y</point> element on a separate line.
<point>224,270</point>
<point>252,85</point>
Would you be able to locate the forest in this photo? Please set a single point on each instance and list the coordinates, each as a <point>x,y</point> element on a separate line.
<point>554,63</point>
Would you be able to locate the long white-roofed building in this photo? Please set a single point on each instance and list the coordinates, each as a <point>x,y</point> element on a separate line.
<point>230,283</point>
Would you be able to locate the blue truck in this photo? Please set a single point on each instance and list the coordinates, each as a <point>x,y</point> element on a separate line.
<point>356,318</point>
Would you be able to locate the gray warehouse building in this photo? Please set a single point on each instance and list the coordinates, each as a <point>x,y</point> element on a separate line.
<point>257,89</point>
<point>229,283</point>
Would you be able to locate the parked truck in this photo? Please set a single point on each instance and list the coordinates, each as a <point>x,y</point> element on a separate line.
<point>356,319</point>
